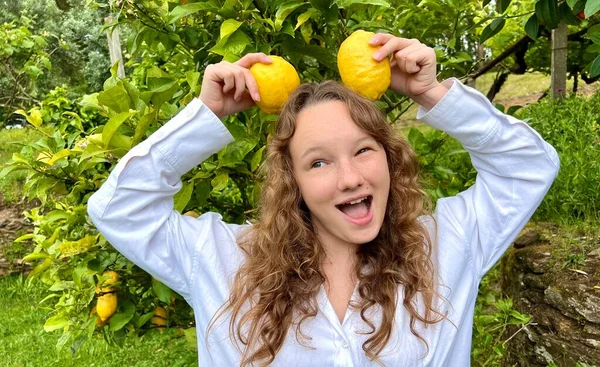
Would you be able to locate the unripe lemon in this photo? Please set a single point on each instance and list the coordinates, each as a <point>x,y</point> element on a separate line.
<point>276,81</point>
<point>359,71</point>
<point>106,306</point>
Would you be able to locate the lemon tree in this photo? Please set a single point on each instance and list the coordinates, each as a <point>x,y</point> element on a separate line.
<point>171,43</point>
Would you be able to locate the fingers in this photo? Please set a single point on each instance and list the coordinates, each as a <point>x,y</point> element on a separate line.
<point>409,55</point>
<point>389,44</point>
<point>251,59</point>
<point>234,79</point>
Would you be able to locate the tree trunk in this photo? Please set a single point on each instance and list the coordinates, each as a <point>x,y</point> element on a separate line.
<point>558,85</point>
<point>497,85</point>
<point>114,47</point>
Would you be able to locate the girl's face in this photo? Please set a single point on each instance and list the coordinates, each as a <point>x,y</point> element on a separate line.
<point>342,173</point>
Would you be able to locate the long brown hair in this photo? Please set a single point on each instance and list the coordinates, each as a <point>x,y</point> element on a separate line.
<point>277,285</point>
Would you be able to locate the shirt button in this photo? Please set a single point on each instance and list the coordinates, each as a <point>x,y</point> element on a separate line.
<point>344,345</point>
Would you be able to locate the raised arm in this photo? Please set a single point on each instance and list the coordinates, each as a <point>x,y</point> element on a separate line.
<point>515,168</point>
<point>134,207</point>
<point>515,165</point>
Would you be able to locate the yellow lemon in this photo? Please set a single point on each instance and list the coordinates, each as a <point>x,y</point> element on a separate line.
<point>160,317</point>
<point>106,306</point>
<point>359,71</point>
<point>99,322</point>
<point>276,81</point>
<point>110,278</point>
<point>192,213</point>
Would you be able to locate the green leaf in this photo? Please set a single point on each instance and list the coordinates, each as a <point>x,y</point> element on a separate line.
<point>160,84</point>
<point>220,181</point>
<point>228,27</point>
<point>257,158</point>
<point>192,78</point>
<point>123,316</point>
<point>112,125</point>
<point>35,256</point>
<point>322,5</point>
<point>502,5</point>
<point>142,126</point>
<point>547,11</point>
<point>237,150</point>
<point>114,69</point>
<point>595,67</point>
<point>591,7</point>
<point>183,196</point>
<point>348,3</point>
<point>566,14</point>
<point>593,30</point>
<point>55,323</point>
<point>492,29</point>
<point>202,192</point>
<point>144,319</point>
<point>40,268</point>
<point>232,45</point>
<point>285,10</point>
<point>297,50</point>
<point>188,9</point>
<point>62,285</point>
<point>35,117</point>
<point>115,98</point>
<point>532,27</point>
<point>161,291</point>
<point>90,100</point>
<point>59,155</point>
<point>302,18</point>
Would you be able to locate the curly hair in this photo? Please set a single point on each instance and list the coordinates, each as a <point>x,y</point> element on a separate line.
<point>276,286</point>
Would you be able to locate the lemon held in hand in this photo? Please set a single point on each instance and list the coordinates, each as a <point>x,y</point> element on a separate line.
<point>276,81</point>
<point>359,71</point>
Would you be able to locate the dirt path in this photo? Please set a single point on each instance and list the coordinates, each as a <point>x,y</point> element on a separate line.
<point>12,224</point>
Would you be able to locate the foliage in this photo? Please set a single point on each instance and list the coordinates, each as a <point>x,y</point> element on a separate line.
<point>493,314</point>
<point>170,47</point>
<point>23,60</point>
<point>446,167</point>
<point>23,341</point>
<point>540,17</point>
<point>573,128</point>
<point>79,51</point>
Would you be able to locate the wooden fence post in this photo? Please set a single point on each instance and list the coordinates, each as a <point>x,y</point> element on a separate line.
<point>558,85</point>
<point>114,47</point>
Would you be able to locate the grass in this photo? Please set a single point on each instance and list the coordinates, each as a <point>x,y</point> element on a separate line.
<point>11,141</point>
<point>23,342</point>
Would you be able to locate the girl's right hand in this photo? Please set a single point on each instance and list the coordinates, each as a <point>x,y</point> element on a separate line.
<point>230,88</point>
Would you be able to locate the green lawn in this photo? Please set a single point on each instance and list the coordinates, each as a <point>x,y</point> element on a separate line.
<point>23,341</point>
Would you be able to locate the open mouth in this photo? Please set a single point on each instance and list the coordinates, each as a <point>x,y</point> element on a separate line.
<point>358,208</point>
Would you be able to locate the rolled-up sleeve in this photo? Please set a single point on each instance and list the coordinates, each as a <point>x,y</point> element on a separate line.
<point>515,168</point>
<point>134,207</point>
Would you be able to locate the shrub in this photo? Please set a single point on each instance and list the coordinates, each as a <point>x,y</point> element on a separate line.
<point>573,128</point>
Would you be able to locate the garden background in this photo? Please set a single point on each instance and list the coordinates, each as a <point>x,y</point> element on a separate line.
<point>67,114</point>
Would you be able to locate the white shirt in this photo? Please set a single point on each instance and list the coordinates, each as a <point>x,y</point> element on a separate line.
<point>198,257</point>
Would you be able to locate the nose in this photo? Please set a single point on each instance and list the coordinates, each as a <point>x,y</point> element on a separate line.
<point>349,176</point>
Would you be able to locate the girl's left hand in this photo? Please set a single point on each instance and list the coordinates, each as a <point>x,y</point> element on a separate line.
<point>413,67</point>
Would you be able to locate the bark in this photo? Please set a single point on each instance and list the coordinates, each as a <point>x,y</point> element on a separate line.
<point>497,85</point>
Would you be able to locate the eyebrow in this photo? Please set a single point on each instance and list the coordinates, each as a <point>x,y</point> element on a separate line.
<point>319,148</point>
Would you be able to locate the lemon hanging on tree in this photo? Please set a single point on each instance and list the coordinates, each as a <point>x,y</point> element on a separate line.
<point>276,81</point>
<point>359,71</point>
